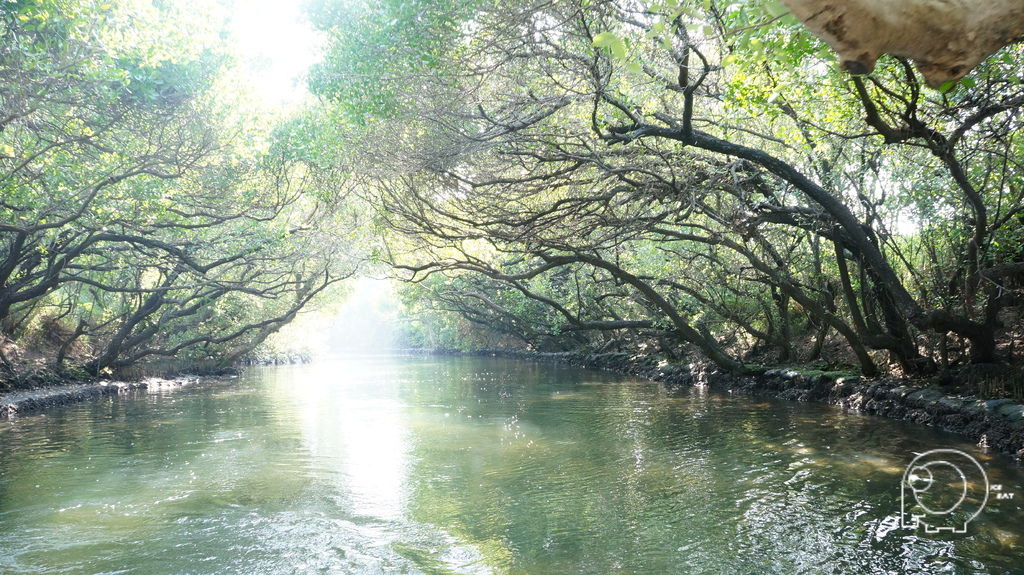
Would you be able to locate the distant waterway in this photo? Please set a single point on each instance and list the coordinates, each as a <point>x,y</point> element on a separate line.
<point>473,465</point>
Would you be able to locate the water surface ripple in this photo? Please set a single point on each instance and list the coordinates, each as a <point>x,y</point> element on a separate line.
<point>439,466</point>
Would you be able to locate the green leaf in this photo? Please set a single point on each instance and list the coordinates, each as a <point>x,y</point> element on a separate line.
<point>616,47</point>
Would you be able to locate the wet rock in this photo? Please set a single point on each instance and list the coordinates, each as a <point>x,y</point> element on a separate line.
<point>25,402</point>
<point>1012,412</point>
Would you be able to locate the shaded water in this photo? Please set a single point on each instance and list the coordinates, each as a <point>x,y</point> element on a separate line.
<point>436,465</point>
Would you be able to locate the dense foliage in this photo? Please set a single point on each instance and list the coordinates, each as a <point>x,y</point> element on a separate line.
<point>679,176</point>
<point>675,177</point>
<point>139,215</point>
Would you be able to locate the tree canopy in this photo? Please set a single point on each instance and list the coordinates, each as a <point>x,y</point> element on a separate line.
<point>139,217</point>
<point>691,179</point>
<point>694,176</point>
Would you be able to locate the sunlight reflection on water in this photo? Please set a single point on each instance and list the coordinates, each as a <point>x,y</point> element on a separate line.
<point>433,465</point>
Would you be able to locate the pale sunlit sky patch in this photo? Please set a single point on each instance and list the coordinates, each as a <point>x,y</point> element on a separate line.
<point>276,45</point>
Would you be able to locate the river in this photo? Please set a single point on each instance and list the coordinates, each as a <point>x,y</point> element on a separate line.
<point>474,465</point>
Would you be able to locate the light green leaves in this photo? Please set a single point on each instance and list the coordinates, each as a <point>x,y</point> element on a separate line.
<point>612,42</point>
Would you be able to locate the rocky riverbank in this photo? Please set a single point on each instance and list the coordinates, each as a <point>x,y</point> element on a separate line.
<point>996,423</point>
<point>29,401</point>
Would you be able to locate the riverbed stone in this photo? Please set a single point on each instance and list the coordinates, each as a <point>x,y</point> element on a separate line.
<point>995,404</point>
<point>950,403</point>
<point>924,397</point>
<point>901,391</point>
<point>1014,412</point>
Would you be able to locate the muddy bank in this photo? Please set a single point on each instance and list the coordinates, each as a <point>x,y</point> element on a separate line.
<point>34,400</point>
<point>996,423</point>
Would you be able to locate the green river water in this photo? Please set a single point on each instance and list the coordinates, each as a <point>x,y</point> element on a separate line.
<point>440,465</point>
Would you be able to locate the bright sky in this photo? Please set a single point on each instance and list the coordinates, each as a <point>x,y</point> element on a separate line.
<point>278,45</point>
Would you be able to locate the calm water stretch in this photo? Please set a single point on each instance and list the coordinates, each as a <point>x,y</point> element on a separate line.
<point>438,466</point>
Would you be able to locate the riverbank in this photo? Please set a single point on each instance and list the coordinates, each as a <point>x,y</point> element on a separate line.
<point>29,401</point>
<point>997,424</point>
